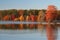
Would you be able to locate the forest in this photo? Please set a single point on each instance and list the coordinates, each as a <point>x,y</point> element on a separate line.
<point>17,13</point>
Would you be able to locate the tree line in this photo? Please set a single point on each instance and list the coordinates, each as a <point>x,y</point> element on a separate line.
<point>26,12</point>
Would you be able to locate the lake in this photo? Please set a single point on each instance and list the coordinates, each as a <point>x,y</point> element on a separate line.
<point>27,34</point>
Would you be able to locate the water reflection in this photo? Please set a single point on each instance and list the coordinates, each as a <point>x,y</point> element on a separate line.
<point>49,31</point>
<point>21,26</point>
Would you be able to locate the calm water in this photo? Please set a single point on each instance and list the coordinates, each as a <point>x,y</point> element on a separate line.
<point>25,34</point>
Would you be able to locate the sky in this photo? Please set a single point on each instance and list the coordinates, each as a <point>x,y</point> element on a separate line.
<point>28,4</point>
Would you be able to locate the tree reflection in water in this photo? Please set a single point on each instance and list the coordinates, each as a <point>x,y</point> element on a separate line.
<point>51,31</point>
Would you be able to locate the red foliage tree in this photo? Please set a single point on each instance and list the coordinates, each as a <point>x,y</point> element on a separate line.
<point>51,13</point>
